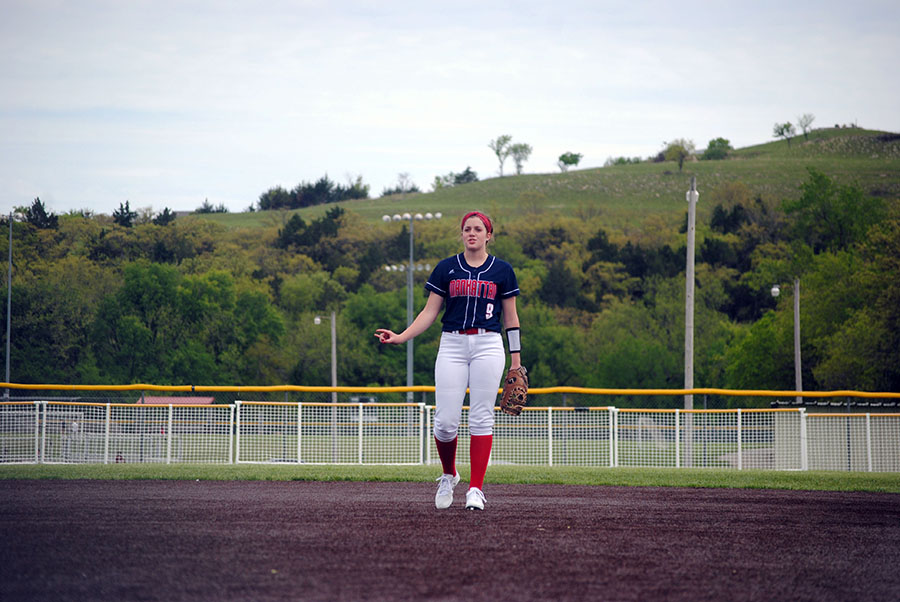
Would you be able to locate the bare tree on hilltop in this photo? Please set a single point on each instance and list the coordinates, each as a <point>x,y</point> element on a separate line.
<point>520,153</point>
<point>805,123</point>
<point>501,148</point>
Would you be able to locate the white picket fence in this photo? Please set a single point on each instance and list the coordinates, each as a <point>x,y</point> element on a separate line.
<point>268,432</point>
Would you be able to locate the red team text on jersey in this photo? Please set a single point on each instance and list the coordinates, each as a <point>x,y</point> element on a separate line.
<point>472,288</point>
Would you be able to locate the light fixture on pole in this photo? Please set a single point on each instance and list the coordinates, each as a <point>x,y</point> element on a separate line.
<point>409,286</point>
<point>798,373</point>
<point>318,320</point>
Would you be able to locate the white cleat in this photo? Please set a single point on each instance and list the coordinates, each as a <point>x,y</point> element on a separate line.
<point>474,499</point>
<point>444,496</point>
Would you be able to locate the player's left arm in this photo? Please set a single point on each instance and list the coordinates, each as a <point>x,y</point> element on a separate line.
<point>425,319</point>
<point>511,320</point>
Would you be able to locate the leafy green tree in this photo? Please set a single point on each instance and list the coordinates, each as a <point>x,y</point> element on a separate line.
<point>441,182</point>
<point>610,161</point>
<point>561,286</point>
<point>466,176</point>
<point>258,331</point>
<point>717,251</point>
<point>308,194</point>
<point>520,153</point>
<point>828,216</point>
<point>256,318</point>
<point>640,344</point>
<point>501,148</point>
<point>380,364</point>
<point>274,198</point>
<point>316,240</point>
<point>207,207</point>
<point>601,248</point>
<point>567,160</point>
<point>679,150</point>
<point>605,282</point>
<point>717,149</point>
<point>166,217</point>
<point>454,179</point>
<point>784,130</point>
<point>292,233</point>
<point>304,292</point>
<point>728,221</point>
<point>860,348</point>
<point>123,346</point>
<point>173,243</point>
<point>124,216</point>
<point>315,193</point>
<point>37,216</point>
<point>194,363</point>
<point>643,263</point>
<point>558,355</point>
<point>761,356</point>
<point>163,327</point>
<point>53,307</point>
<point>625,351</point>
<point>112,246</point>
<point>355,189</point>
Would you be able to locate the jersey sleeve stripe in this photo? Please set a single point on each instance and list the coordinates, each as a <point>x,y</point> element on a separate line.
<point>438,290</point>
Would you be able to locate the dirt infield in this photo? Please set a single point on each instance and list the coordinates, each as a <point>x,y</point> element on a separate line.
<point>250,540</point>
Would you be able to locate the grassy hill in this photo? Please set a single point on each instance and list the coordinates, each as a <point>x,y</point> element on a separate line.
<point>624,197</point>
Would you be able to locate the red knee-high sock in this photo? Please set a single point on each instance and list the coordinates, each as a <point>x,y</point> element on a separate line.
<point>480,453</point>
<point>447,452</point>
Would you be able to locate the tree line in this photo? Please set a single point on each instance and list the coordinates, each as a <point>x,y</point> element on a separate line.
<point>190,302</point>
<point>308,194</point>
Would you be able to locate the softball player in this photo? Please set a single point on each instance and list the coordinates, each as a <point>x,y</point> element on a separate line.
<point>478,292</point>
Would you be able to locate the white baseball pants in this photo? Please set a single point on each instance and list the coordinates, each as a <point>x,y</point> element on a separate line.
<point>473,361</point>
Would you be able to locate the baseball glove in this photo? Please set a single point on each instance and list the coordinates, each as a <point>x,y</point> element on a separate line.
<point>515,391</point>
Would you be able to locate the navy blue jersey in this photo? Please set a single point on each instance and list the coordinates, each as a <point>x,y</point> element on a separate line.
<point>473,297</point>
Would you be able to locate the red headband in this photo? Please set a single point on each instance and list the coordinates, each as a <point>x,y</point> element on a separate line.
<point>482,217</point>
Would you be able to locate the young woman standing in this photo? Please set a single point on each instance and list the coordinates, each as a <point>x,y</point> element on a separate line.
<point>478,292</point>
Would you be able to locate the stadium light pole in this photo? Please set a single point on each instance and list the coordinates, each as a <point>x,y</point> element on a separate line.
<point>8,304</point>
<point>410,352</point>
<point>798,372</point>
<point>692,197</point>
<point>318,320</point>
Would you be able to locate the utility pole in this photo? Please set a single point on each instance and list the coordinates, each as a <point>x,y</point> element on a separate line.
<point>798,372</point>
<point>692,197</point>
<point>8,304</point>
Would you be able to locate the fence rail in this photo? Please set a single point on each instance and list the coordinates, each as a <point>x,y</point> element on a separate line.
<point>269,432</point>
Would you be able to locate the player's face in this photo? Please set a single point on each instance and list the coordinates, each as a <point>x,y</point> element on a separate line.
<point>475,235</point>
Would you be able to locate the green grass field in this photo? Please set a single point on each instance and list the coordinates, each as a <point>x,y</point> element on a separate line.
<point>627,477</point>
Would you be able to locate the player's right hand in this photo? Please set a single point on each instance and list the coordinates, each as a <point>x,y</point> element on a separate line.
<point>386,336</point>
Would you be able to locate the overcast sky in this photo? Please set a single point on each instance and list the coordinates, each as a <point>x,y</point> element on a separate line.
<point>167,103</point>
